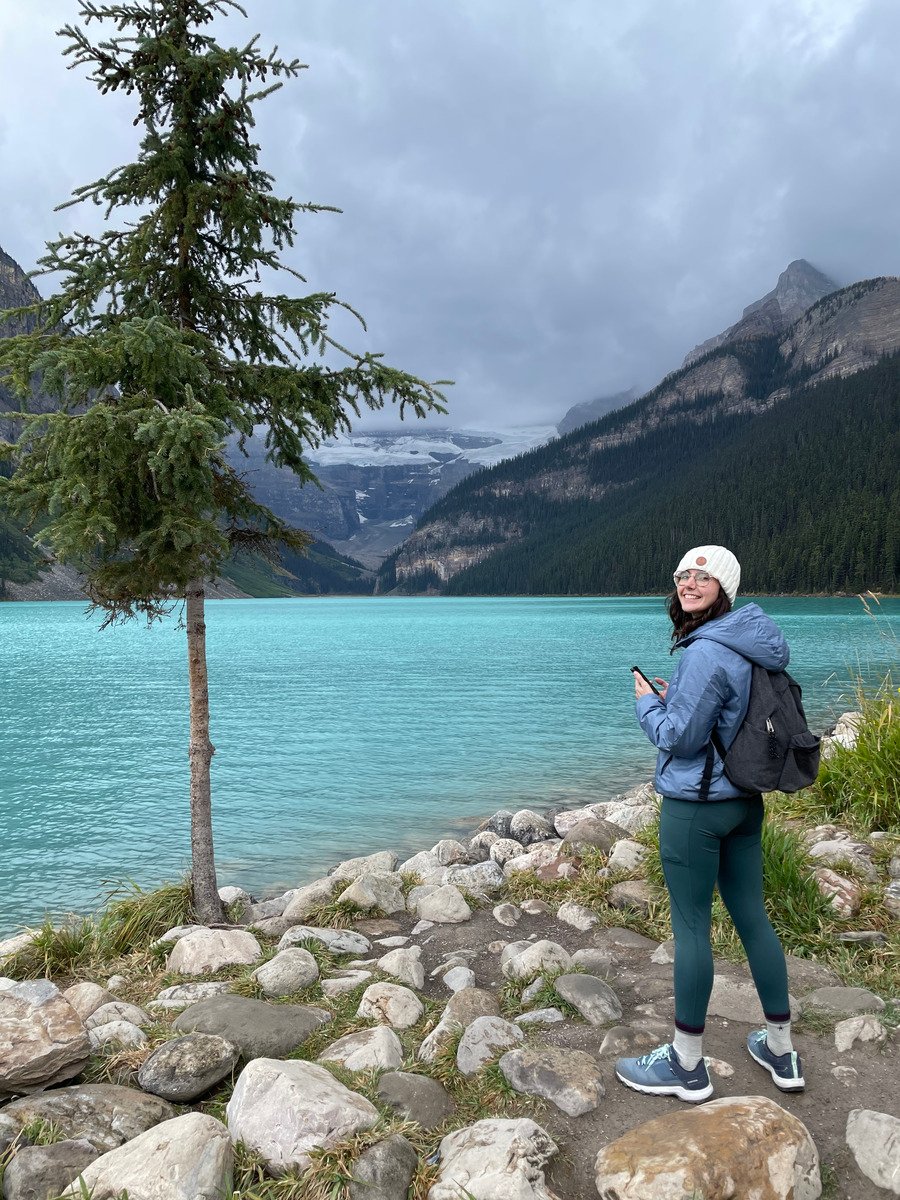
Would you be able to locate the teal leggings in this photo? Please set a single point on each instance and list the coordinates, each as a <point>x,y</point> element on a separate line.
<point>701,845</point>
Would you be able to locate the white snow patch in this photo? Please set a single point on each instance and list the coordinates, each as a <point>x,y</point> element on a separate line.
<point>410,520</point>
<point>403,449</point>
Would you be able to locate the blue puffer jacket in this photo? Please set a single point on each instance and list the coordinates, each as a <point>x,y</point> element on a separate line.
<point>710,687</point>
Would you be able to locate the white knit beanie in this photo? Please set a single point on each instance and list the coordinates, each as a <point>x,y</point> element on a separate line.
<point>718,562</point>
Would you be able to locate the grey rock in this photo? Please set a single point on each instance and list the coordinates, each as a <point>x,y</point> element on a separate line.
<point>594,999</point>
<point>617,940</point>
<point>307,899</point>
<point>894,867</point>
<point>42,1038</point>
<point>404,964</point>
<point>188,1067</point>
<point>238,898</point>
<point>626,856</point>
<point>629,1040</point>
<point>577,916</point>
<point>269,908</point>
<point>258,1029</point>
<point>496,1159</point>
<point>499,823</point>
<point>480,845</point>
<point>737,1000</point>
<point>564,822</point>
<point>529,827</point>
<point>117,1010</point>
<point>416,1097</point>
<point>426,865</point>
<point>664,953</point>
<point>376,1049</point>
<point>507,914</point>
<point>184,994</point>
<point>804,975</point>
<point>289,971</point>
<point>86,998</point>
<point>858,1029</point>
<point>380,863</point>
<point>449,851</point>
<point>836,853</point>
<point>505,849</point>
<point>123,1033</point>
<point>338,941</point>
<point>187,1158</point>
<point>464,1006</point>
<point>347,981</point>
<point>632,817</point>
<point>601,963</point>
<point>863,937</point>
<point>540,1016</point>
<point>444,905</point>
<point>391,1004</point>
<point>283,1110</point>
<point>43,1172</point>
<point>117,983</point>
<point>891,898</point>
<point>535,908</point>
<point>843,1000</point>
<point>459,978</point>
<point>483,1040</point>
<point>175,934</point>
<point>481,879</point>
<point>535,958</point>
<point>874,1139</point>
<point>385,1170</point>
<point>594,833</point>
<point>376,892</point>
<point>632,893</point>
<point>532,991</point>
<point>570,1079</point>
<point>207,950</point>
<point>103,1113</point>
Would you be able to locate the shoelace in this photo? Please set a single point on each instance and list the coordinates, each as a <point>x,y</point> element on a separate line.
<point>654,1056</point>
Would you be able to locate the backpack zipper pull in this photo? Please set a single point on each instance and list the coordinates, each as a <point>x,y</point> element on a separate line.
<point>773,744</point>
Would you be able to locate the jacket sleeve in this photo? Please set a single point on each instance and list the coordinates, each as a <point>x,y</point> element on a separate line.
<point>683,724</point>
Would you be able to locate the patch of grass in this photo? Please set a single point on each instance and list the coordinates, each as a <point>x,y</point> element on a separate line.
<point>336,914</point>
<point>133,918</point>
<point>860,787</point>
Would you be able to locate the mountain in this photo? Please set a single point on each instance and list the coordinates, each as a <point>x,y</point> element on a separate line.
<point>17,291</point>
<point>375,486</point>
<point>499,529</point>
<point>799,286</point>
<point>592,410</point>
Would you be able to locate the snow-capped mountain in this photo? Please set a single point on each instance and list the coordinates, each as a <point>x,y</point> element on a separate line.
<point>375,486</point>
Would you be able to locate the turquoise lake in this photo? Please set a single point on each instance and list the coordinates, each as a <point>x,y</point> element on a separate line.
<point>342,726</point>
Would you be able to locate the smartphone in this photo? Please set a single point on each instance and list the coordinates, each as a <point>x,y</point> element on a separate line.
<point>638,671</point>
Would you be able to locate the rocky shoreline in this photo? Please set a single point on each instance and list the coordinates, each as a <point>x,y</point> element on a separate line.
<point>447,1027</point>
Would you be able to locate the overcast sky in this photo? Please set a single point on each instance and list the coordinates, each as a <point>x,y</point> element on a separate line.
<point>544,200</point>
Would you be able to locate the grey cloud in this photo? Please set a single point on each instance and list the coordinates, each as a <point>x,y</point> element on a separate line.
<point>543,201</point>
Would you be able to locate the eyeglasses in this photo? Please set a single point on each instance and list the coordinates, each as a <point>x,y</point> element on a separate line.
<point>701,577</point>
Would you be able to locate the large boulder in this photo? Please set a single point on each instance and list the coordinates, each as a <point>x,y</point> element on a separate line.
<point>426,865</point>
<point>186,1068</point>
<point>43,1040</point>
<point>187,1158</point>
<point>737,1146</point>
<point>289,971</point>
<point>282,1110</point>
<point>338,941</point>
<point>874,1139</point>
<point>483,1040</point>
<point>207,950</point>
<point>376,1049</point>
<point>443,905</point>
<point>385,1170</point>
<point>494,1160</point>
<point>86,998</point>
<point>529,827</point>
<point>391,1004</point>
<point>570,1079</point>
<point>481,879</point>
<point>375,891</point>
<point>404,964</point>
<point>106,1114</point>
<point>39,1172</point>
<point>416,1098</point>
<point>534,958</point>
<point>381,863</point>
<point>306,900</point>
<point>505,849</point>
<point>258,1029</point>
<point>592,833</point>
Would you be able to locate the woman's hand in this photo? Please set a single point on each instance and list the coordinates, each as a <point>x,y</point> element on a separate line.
<point>643,688</point>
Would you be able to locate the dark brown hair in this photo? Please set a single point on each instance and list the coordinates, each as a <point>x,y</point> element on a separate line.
<point>684,624</point>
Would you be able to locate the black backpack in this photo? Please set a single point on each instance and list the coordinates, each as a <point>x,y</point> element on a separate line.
<point>773,750</point>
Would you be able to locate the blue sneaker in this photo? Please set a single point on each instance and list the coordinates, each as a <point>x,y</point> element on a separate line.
<point>662,1073</point>
<point>786,1069</point>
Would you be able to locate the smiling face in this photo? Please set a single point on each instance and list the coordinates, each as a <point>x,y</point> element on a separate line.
<point>694,595</point>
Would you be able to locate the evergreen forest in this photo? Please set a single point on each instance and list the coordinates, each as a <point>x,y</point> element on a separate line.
<point>807,494</point>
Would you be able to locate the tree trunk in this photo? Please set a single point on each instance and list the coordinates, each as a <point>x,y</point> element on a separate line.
<point>207,905</point>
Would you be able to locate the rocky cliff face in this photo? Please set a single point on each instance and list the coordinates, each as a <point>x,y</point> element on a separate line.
<point>16,291</point>
<point>799,286</point>
<point>593,410</point>
<point>844,332</point>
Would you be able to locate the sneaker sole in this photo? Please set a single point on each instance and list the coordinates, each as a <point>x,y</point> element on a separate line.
<point>689,1096</point>
<point>783,1085</point>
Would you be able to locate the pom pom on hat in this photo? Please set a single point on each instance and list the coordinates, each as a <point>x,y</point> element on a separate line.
<point>718,562</point>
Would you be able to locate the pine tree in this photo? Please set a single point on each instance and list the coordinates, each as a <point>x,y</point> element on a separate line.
<point>161,342</point>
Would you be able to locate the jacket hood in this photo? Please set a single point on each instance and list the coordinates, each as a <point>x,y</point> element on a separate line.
<point>750,632</point>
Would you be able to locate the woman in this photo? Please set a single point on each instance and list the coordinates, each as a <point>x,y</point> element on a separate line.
<point>710,832</point>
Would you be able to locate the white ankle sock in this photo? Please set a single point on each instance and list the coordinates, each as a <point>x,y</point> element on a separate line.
<point>688,1048</point>
<point>778,1037</point>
